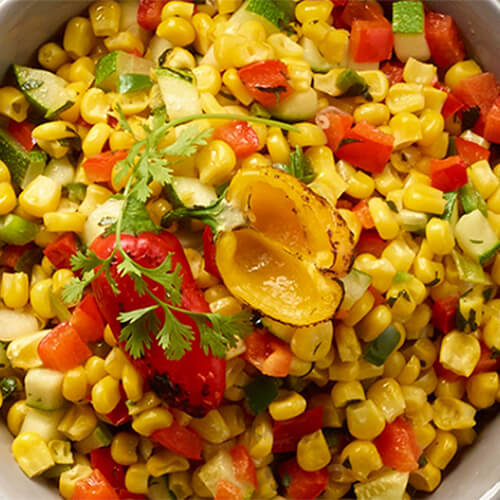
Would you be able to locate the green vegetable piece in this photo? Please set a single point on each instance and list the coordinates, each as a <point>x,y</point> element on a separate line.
<point>469,270</point>
<point>133,83</point>
<point>408,17</point>
<point>28,259</point>
<point>450,209</point>
<point>472,200</point>
<point>452,148</point>
<point>268,9</point>
<point>299,166</point>
<point>401,277</point>
<point>62,312</point>
<point>352,84</point>
<point>378,350</point>
<point>76,191</point>
<point>14,230</point>
<point>8,385</point>
<point>260,393</point>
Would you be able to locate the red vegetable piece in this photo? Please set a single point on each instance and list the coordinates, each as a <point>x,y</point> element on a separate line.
<point>367,148</point>
<point>94,487</point>
<point>371,242</point>
<point>371,41</point>
<point>266,81</point>
<point>479,90</point>
<point>120,415</point>
<point>87,320</point>
<point>488,362</point>
<point>62,348</point>
<point>149,13</point>
<point>470,152</point>
<point>180,439</point>
<point>303,485</point>
<point>227,491</point>
<point>492,124</point>
<point>21,132</point>
<point>398,446</point>
<point>287,433</point>
<point>335,124</point>
<point>444,373</point>
<point>451,106</point>
<point>362,211</point>
<point>60,251</point>
<point>448,174</point>
<point>379,298</point>
<point>444,40</point>
<point>209,252</point>
<point>244,468</point>
<point>240,135</point>
<point>365,10</point>
<point>12,253</point>
<point>443,313</point>
<point>99,168</point>
<point>102,460</point>
<point>393,71</point>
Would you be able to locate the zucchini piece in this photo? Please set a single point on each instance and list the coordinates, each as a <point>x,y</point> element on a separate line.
<point>451,208</point>
<point>266,12</point>
<point>100,438</point>
<point>388,485</point>
<point>44,389</point>
<point>300,106</point>
<point>408,17</point>
<point>97,221</point>
<point>158,49</point>
<point>313,56</point>
<point>469,270</point>
<point>414,45</point>
<point>60,170</point>
<point>45,90</point>
<point>44,423</point>
<point>116,63</point>
<point>23,166</point>
<point>179,92</point>
<point>190,192</point>
<point>472,200</point>
<point>133,82</point>
<point>355,285</point>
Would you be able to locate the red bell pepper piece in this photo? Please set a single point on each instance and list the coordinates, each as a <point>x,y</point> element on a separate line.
<point>448,174</point>
<point>303,485</point>
<point>119,415</point>
<point>99,168</point>
<point>479,90</point>
<point>487,362</point>
<point>335,124</point>
<point>209,252</point>
<point>102,460</point>
<point>492,123</point>
<point>470,152</point>
<point>371,41</point>
<point>270,355</point>
<point>21,132</point>
<point>266,81</point>
<point>398,446</point>
<point>287,433</point>
<point>60,251</point>
<point>195,392</point>
<point>365,10</point>
<point>362,211</point>
<point>86,319</point>
<point>62,348</point>
<point>244,468</point>
<point>149,13</point>
<point>12,253</point>
<point>240,135</point>
<point>226,490</point>
<point>370,149</point>
<point>371,242</point>
<point>443,313</point>
<point>379,298</point>
<point>180,439</point>
<point>444,373</point>
<point>124,494</point>
<point>451,106</point>
<point>444,40</point>
<point>393,70</point>
<point>94,487</point>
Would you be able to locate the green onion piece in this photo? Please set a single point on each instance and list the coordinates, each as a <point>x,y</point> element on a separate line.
<point>76,191</point>
<point>472,200</point>
<point>451,203</point>
<point>352,84</point>
<point>15,230</point>
<point>378,350</point>
<point>62,312</point>
<point>260,393</point>
<point>408,17</point>
<point>131,82</point>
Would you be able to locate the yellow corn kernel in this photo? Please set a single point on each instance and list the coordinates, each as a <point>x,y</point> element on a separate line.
<point>313,452</point>
<point>407,97</point>
<point>364,420</point>
<point>381,270</point>
<point>208,79</point>
<point>374,113</point>
<point>351,219</point>
<point>54,131</point>
<point>333,47</point>
<point>336,490</point>
<point>177,30</point>
<point>4,172</point>
<point>285,47</point>
<point>454,389</point>
<point>442,449</point>
<point>491,331</point>
<point>94,369</point>
<point>344,393</point>
<point>124,40</point>
<point>313,10</point>
<point>211,427</point>
<point>277,145</point>
<point>151,420</point>
<point>82,70</point>
<point>75,384</point>
<point>465,437</point>
<point>384,218</point>
<point>406,129</point>
<point>363,457</point>
<point>69,478</point>
<point>377,83</point>
<point>451,413</point>
<point>415,399</point>
<point>15,416</point>
<point>267,486</point>
<point>149,400</point>
<point>226,306</point>
<point>119,139</point>
<point>432,125</point>
<point>426,479</point>
<point>483,178</point>
<point>13,104</point>
<point>105,17</point>
<point>115,362</point>
<point>434,98</point>
<point>106,394</point>
<point>42,195</point>
<point>166,462</point>
<point>482,389</point>
<point>460,353</point>
<point>203,25</point>
<point>79,39</point>
<point>316,30</point>
<point>177,8</point>
<point>386,393</point>
<point>179,58</point>
<point>132,383</point>
<point>344,371</point>
<point>299,74</point>
<point>15,289</point>
<point>124,448</point>
<point>394,364</point>
<point>360,185</point>
<point>179,483</point>
<point>400,254</point>
<point>136,479</point>
<point>78,422</point>
<point>423,198</point>
<point>64,221</point>
<point>94,106</point>
<point>40,298</point>
<point>360,309</point>
<point>438,148</point>
<point>31,453</point>
<point>61,451</point>
<point>312,343</point>
<point>261,437</point>
<point>347,343</point>
<point>228,6</point>
<point>51,56</point>
<point>96,139</point>
<point>235,419</point>
<point>440,237</point>
<point>410,372</point>
<point>426,351</point>
<point>215,162</point>
<point>63,71</point>
<point>460,71</point>
<point>374,323</point>
<point>307,134</point>
<point>418,72</point>
<point>287,405</point>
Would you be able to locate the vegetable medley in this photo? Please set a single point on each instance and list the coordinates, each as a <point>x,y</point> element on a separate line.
<point>249,250</point>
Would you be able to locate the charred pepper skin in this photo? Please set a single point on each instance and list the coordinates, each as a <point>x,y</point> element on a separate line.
<point>194,384</point>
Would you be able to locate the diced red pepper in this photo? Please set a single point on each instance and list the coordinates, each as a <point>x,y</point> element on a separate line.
<point>443,313</point>
<point>451,106</point>
<point>362,211</point>
<point>287,433</point>
<point>149,13</point>
<point>266,81</point>
<point>444,373</point>
<point>94,487</point>
<point>60,251</point>
<point>180,439</point>
<point>119,415</point>
<point>379,298</point>
<point>479,90</point>
<point>124,494</point>
<point>448,174</point>
<point>227,491</point>
<point>102,460</point>
<point>244,468</point>
<point>365,10</point>
<point>371,41</point>
<point>270,355</point>
<point>99,168</point>
<point>366,147</point>
<point>492,123</point>
<point>487,362</point>
<point>21,132</point>
<point>444,40</point>
<point>87,320</point>
<point>209,252</point>
<point>393,71</point>
<point>240,135</point>
<point>11,254</point>
<point>371,242</point>
<point>62,348</point>
<point>470,152</point>
<point>303,485</point>
<point>398,446</point>
<point>335,124</point>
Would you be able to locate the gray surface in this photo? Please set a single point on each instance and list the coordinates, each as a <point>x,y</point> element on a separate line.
<point>26,24</point>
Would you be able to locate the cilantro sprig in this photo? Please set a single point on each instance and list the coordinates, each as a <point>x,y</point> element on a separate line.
<point>147,162</point>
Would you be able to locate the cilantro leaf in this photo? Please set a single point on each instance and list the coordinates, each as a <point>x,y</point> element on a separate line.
<point>73,291</point>
<point>299,166</point>
<point>135,219</point>
<point>188,142</point>
<point>174,337</point>
<point>84,262</point>
<point>136,332</point>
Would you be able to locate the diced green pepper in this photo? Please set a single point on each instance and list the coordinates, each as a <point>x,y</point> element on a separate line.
<point>14,230</point>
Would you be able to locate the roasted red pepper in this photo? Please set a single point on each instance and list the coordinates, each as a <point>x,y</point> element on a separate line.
<point>479,90</point>
<point>195,383</point>
<point>335,124</point>
<point>86,319</point>
<point>102,460</point>
<point>371,41</point>
<point>59,252</point>
<point>362,211</point>
<point>444,40</point>
<point>470,152</point>
<point>240,135</point>
<point>99,168</point>
<point>303,485</point>
<point>492,125</point>
<point>21,132</point>
<point>119,415</point>
<point>488,362</point>
<point>94,487</point>
<point>448,174</point>
<point>443,313</point>
<point>180,439</point>
<point>393,71</point>
<point>371,242</point>
<point>149,13</point>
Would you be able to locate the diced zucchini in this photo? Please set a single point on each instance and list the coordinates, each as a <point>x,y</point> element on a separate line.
<point>45,90</point>
<point>179,93</point>
<point>16,230</point>
<point>355,285</point>
<point>44,389</point>
<point>44,423</point>
<point>358,66</point>
<point>60,170</point>
<point>100,438</point>
<point>133,82</point>
<point>300,106</point>
<point>476,237</point>
<point>190,192</point>
<point>218,467</point>
<point>389,485</point>
<point>469,270</point>
<point>411,221</point>
<point>269,14</point>
<point>158,49</point>
<point>408,17</point>
<point>284,332</point>
<point>116,63</point>
<point>313,56</point>
<point>471,199</point>
<point>414,45</point>
<point>97,221</point>
<point>23,352</point>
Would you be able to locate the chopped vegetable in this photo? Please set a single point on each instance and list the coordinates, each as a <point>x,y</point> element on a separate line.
<point>260,393</point>
<point>371,41</point>
<point>444,40</point>
<point>448,174</point>
<point>378,350</point>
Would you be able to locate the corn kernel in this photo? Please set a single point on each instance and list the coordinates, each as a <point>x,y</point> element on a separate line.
<point>287,405</point>
<point>451,413</point>
<point>460,71</point>
<point>79,38</point>
<point>363,457</point>
<point>418,72</point>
